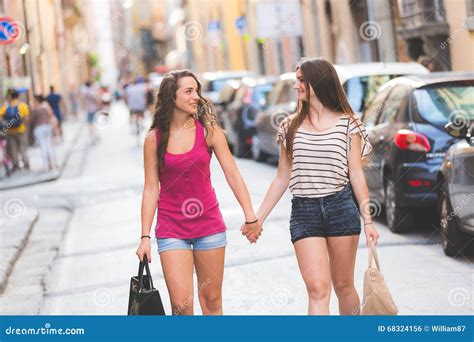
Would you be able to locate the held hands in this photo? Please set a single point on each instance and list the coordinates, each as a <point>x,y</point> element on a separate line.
<point>252,231</point>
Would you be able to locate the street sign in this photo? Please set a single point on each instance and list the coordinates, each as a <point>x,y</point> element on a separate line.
<point>241,23</point>
<point>9,30</point>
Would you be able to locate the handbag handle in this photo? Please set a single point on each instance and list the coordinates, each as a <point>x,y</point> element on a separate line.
<point>144,265</point>
<point>373,255</point>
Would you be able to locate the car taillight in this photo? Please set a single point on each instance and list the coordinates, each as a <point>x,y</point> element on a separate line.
<point>419,182</point>
<point>410,140</point>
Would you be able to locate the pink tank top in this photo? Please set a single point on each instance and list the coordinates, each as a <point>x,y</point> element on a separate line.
<point>187,204</point>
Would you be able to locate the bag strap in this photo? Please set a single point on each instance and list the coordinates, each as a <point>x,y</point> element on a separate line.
<point>347,145</point>
<point>373,255</point>
<point>144,265</point>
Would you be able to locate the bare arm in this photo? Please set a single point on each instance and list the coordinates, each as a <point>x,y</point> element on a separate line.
<point>150,195</point>
<point>359,186</point>
<point>278,186</point>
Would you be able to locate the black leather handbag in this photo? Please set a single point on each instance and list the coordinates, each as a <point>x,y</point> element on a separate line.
<point>144,299</point>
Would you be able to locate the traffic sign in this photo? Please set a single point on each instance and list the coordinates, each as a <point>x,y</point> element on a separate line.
<point>9,30</point>
<point>241,23</point>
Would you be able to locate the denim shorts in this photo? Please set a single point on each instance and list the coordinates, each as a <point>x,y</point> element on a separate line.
<point>199,244</point>
<point>332,215</point>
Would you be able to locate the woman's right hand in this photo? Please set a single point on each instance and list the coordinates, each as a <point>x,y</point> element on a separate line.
<point>144,249</point>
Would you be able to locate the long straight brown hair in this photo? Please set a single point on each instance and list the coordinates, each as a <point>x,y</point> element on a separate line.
<point>321,76</point>
<point>165,105</point>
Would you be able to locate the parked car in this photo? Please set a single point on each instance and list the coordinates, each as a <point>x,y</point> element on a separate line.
<point>213,82</point>
<point>281,103</point>
<point>239,116</point>
<point>226,96</point>
<point>405,122</point>
<point>360,82</point>
<point>456,190</point>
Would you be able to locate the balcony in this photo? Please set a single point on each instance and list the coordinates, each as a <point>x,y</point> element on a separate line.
<point>422,18</point>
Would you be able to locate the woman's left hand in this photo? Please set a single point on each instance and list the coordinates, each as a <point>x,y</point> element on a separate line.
<point>371,234</point>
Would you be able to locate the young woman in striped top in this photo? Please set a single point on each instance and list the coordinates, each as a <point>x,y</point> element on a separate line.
<point>322,146</point>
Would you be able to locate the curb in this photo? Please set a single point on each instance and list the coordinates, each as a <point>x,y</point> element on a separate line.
<point>13,252</point>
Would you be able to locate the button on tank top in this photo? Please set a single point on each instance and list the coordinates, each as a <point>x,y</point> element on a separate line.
<point>187,204</point>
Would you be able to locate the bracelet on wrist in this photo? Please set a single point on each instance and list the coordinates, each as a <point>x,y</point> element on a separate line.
<point>246,222</point>
<point>145,236</point>
<point>367,223</point>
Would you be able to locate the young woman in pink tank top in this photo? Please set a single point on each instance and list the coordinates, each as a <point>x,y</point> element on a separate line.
<point>190,230</point>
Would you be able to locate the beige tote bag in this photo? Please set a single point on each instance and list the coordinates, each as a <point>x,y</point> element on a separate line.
<point>377,297</point>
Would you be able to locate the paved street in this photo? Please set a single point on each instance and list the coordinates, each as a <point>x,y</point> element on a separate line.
<point>80,253</point>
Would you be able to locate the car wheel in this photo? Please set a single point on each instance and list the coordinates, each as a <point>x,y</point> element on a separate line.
<point>399,219</point>
<point>453,240</point>
<point>257,152</point>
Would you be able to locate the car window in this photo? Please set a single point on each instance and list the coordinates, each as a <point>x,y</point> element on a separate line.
<point>391,106</point>
<point>375,107</point>
<point>440,103</point>
<point>361,90</point>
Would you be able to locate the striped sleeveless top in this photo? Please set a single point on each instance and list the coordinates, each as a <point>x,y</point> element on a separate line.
<point>319,166</point>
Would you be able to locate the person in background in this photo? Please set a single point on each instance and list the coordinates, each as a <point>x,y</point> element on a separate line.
<point>15,115</point>
<point>426,62</point>
<point>54,100</point>
<point>42,122</point>
<point>73,98</point>
<point>92,103</point>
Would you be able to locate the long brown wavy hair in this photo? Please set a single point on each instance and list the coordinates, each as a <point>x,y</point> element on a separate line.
<point>165,105</point>
<point>320,75</point>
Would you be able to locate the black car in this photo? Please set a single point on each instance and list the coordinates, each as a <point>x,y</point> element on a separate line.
<point>281,103</point>
<point>456,191</point>
<point>405,121</point>
<point>239,116</point>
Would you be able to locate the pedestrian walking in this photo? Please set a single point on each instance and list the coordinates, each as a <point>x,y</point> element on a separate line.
<point>42,122</point>
<point>136,99</point>
<point>55,101</point>
<point>190,230</point>
<point>15,115</point>
<point>92,104</point>
<point>321,151</point>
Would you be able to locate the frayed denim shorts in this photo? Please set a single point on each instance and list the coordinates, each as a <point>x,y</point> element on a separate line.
<point>332,215</point>
<point>199,244</point>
